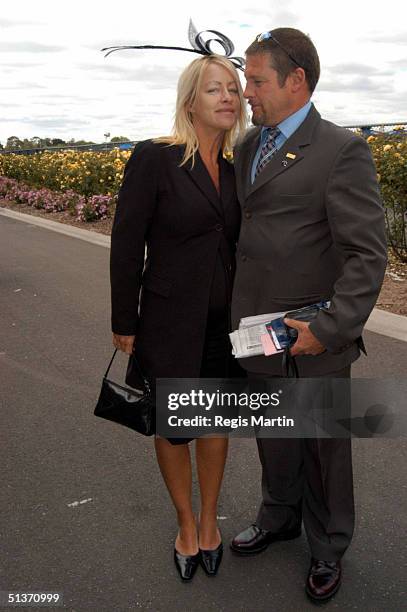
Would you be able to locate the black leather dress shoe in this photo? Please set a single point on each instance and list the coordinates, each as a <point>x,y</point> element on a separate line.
<point>210,559</point>
<point>324,579</point>
<point>186,564</point>
<point>254,540</point>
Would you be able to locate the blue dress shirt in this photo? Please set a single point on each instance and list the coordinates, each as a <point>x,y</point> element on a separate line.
<point>286,127</point>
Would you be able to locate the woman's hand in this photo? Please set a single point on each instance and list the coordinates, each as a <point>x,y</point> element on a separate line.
<point>124,343</point>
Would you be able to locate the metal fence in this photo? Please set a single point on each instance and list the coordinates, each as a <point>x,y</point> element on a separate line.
<point>106,146</point>
<point>398,130</point>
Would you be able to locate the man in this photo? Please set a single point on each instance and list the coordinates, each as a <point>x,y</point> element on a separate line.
<point>312,229</point>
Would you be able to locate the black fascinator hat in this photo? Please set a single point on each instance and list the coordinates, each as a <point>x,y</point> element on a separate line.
<point>200,44</point>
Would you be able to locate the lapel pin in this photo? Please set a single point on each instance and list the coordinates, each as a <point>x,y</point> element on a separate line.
<point>284,163</point>
<point>291,155</point>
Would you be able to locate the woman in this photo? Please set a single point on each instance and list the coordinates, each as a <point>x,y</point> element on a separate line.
<point>178,199</point>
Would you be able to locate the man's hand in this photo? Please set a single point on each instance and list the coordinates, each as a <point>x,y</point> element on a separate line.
<point>124,343</point>
<point>306,343</point>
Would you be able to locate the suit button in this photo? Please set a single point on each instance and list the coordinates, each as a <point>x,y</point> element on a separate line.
<point>248,215</point>
<point>219,227</point>
<point>244,258</point>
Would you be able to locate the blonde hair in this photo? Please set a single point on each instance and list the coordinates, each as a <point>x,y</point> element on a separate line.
<point>189,83</point>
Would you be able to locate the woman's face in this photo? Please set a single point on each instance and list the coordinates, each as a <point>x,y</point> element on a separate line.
<point>217,104</point>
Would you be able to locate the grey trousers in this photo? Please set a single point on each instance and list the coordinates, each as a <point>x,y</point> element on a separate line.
<point>309,480</point>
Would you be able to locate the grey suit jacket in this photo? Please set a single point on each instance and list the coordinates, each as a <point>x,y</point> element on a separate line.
<point>312,228</point>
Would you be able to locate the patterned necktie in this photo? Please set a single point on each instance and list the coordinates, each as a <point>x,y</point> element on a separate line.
<point>267,150</point>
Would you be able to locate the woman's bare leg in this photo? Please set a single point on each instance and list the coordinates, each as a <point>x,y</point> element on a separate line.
<point>175,466</point>
<point>210,458</point>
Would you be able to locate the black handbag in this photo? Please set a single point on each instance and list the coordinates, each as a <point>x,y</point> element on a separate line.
<point>134,408</point>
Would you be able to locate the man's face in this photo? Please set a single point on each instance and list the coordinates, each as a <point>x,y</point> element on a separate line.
<point>269,102</point>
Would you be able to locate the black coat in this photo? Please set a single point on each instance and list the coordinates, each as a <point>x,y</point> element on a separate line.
<point>174,213</point>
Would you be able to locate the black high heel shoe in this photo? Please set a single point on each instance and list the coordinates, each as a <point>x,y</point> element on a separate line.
<point>186,564</point>
<point>211,559</point>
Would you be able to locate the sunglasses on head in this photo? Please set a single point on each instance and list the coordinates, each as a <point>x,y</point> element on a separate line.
<point>269,36</point>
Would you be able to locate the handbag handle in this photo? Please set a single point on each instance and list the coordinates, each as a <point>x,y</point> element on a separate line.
<point>110,364</point>
<point>144,379</point>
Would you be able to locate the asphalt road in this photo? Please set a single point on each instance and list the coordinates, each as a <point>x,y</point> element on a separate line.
<point>113,551</point>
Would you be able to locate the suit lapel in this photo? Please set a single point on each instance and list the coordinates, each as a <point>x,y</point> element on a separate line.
<point>295,147</point>
<point>244,160</point>
<point>278,164</point>
<point>201,177</point>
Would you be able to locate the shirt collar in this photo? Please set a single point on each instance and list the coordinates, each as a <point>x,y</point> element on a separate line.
<point>288,126</point>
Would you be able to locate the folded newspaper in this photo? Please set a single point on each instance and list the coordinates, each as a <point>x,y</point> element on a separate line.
<point>255,335</point>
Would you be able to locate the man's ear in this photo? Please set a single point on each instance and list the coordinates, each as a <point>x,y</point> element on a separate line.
<point>297,79</point>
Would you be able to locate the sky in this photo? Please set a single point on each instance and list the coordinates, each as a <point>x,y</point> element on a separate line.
<point>56,83</point>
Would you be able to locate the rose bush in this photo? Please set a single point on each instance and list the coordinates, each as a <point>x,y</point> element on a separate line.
<point>86,172</point>
<point>84,209</point>
<point>390,155</point>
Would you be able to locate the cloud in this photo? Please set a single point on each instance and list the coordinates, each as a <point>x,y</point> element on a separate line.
<point>111,116</point>
<point>8,23</point>
<point>238,24</point>
<point>28,47</point>
<point>20,64</point>
<point>155,76</point>
<point>284,19</point>
<point>50,97</point>
<point>7,105</point>
<point>358,84</point>
<point>398,38</point>
<point>358,69</point>
<point>399,63</point>
<point>54,122</point>
<point>254,11</point>
<point>357,109</point>
<point>24,85</point>
<point>71,103</point>
<point>106,69</point>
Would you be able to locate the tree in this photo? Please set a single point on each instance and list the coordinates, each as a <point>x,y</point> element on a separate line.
<point>13,142</point>
<point>119,139</point>
<point>84,142</point>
